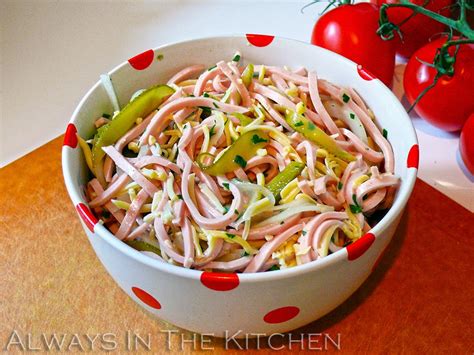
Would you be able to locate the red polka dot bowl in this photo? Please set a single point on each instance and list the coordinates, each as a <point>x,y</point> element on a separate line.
<point>270,302</point>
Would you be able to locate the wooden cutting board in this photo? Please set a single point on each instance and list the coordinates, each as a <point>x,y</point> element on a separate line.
<point>420,299</point>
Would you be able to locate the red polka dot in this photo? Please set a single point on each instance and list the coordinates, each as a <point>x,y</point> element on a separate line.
<point>146,298</point>
<point>365,74</point>
<point>219,281</point>
<point>89,219</point>
<point>70,137</point>
<point>281,315</point>
<point>413,157</point>
<point>142,60</point>
<point>359,247</point>
<point>259,40</point>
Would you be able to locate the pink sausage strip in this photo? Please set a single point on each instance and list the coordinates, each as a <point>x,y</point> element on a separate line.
<point>154,160</point>
<point>131,215</point>
<point>385,180</point>
<point>161,119</point>
<point>165,242</point>
<point>186,73</point>
<point>236,81</point>
<point>130,170</point>
<point>269,247</point>
<point>232,265</point>
<point>367,152</point>
<point>111,191</point>
<point>116,212</point>
<point>273,113</point>
<point>323,227</point>
<point>188,244</point>
<point>318,105</point>
<point>203,79</point>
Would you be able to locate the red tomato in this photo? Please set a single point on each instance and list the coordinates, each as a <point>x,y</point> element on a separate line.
<point>350,30</point>
<point>419,29</point>
<point>449,103</point>
<point>466,144</point>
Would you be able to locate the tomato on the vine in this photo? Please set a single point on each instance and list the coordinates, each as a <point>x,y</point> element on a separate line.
<point>466,144</point>
<point>350,30</point>
<point>417,30</point>
<point>449,103</point>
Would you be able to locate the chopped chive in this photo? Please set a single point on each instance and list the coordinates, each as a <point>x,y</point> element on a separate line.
<point>213,67</point>
<point>240,161</point>
<point>226,209</point>
<point>257,139</point>
<point>355,209</point>
<point>236,58</point>
<point>191,95</point>
<point>274,268</point>
<point>180,196</point>
<point>160,57</point>
<point>255,75</point>
<point>352,115</point>
<point>106,214</point>
<point>303,232</point>
<point>215,105</point>
<point>206,111</point>
<point>105,115</point>
<point>211,131</point>
<point>226,185</point>
<point>339,185</point>
<point>205,94</point>
<point>311,126</point>
<point>245,253</point>
<point>236,211</point>
<point>385,133</point>
<point>298,124</point>
<point>345,98</point>
<point>230,235</point>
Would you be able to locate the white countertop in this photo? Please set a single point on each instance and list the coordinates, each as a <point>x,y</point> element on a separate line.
<point>52,52</point>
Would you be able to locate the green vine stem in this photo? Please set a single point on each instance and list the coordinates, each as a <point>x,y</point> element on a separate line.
<point>443,61</point>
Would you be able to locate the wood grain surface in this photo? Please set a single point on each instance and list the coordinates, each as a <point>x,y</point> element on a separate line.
<point>420,299</point>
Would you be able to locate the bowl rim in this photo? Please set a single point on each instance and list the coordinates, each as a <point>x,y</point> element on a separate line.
<point>378,230</point>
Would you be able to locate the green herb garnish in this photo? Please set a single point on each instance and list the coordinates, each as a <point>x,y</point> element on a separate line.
<point>345,98</point>
<point>385,133</point>
<point>355,208</point>
<point>213,67</point>
<point>298,124</point>
<point>226,185</point>
<point>257,139</point>
<point>274,268</point>
<point>236,58</point>
<point>230,235</point>
<point>211,131</point>
<point>352,115</point>
<point>105,115</point>
<point>339,185</point>
<point>240,161</point>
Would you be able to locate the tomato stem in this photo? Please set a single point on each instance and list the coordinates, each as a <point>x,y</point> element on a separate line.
<point>461,25</point>
<point>443,61</point>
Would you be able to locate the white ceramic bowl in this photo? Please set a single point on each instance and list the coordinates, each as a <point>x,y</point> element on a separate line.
<point>269,302</point>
